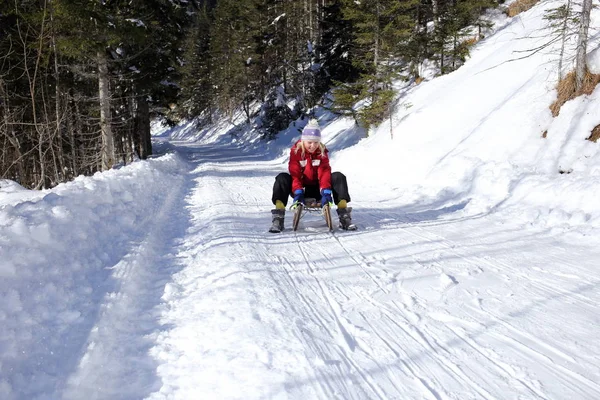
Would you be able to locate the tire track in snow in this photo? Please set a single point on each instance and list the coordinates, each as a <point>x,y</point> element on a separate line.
<point>348,341</point>
<point>419,337</point>
<point>450,246</point>
<point>359,263</point>
<point>324,322</point>
<point>504,368</point>
<point>498,266</point>
<point>306,336</point>
<point>538,354</point>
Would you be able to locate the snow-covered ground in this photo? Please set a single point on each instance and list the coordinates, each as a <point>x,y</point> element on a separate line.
<point>473,275</point>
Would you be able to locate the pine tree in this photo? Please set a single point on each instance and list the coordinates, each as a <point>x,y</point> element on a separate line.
<point>454,25</point>
<point>336,50</point>
<point>378,28</point>
<point>152,58</point>
<point>235,62</point>
<point>562,23</point>
<point>134,44</point>
<point>72,70</point>
<point>418,46</point>
<point>196,88</point>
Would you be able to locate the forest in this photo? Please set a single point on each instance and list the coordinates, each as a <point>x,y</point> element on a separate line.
<point>81,80</point>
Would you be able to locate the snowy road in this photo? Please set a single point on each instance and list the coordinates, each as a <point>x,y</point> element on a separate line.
<point>419,303</point>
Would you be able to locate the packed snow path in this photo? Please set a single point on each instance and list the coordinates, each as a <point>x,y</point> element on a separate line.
<point>419,303</point>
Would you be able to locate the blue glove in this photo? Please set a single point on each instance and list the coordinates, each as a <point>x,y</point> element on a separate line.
<point>326,197</point>
<point>298,196</point>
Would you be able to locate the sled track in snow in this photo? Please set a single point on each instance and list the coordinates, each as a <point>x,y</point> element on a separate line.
<point>536,347</point>
<point>347,342</point>
<point>384,332</point>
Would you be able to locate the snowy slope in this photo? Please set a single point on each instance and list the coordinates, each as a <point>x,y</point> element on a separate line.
<point>473,275</point>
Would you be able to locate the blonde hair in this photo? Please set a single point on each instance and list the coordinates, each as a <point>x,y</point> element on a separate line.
<point>300,147</point>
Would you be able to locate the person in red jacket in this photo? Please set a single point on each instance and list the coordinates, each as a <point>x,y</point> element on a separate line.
<point>310,176</point>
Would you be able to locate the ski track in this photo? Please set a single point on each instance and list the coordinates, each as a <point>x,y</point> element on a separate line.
<point>125,326</point>
<point>402,308</point>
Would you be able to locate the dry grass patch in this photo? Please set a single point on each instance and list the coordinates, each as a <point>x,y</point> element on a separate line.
<point>470,42</point>
<point>520,6</point>
<point>566,89</point>
<point>595,134</point>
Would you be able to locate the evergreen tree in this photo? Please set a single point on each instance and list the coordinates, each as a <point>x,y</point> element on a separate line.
<point>336,50</point>
<point>378,28</point>
<point>417,49</point>
<point>456,21</point>
<point>562,23</point>
<point>196,94</point>
<point>135,45</point>
<point>235,66</point>
<point>78,83</point>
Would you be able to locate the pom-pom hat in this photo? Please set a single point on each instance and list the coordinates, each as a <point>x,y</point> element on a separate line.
<point>312,131</point>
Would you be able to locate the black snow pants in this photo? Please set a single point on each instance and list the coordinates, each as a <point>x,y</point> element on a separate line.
<point>282,189</point>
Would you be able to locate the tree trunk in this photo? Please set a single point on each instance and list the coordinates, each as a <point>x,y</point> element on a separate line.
<point>246,106</point>
<point>580,58</point>
<point>129,147</point>
<point>376,43</point>
<point>108,142</point>
<point>70,130</point>
<point>59,138</point>
<point>143,127</point>
<point>563,41</point>
<point>12,138</point>
<point>77,148</point>
<point>436,12</point>
<point>377,38</point>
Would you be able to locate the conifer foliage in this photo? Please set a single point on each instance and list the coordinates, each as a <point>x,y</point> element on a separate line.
<point>277,58</point>
<point>80,80</point>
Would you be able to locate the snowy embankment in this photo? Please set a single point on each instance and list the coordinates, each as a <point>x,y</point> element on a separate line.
<point>477,133</point>
<point>61,257</point>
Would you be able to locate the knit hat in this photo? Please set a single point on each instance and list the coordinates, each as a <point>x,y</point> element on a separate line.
<point>311,131</point>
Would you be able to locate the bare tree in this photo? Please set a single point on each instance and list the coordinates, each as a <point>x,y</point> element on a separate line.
<point>108,144</point>
<point>580,58</point>
<point>563,34</point>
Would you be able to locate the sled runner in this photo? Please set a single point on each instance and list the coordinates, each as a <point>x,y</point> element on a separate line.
<point>311,206</point>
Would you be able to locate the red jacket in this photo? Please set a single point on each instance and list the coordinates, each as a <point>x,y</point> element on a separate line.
<point>309,169</point>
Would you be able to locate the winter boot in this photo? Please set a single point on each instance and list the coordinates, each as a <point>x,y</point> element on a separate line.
<point>345,217</point>
<point>278,217</point>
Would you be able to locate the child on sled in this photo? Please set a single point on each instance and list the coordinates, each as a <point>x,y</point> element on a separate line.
<point>310,176</point>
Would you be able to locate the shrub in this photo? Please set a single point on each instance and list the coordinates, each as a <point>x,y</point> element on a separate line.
<point>595,134</point>
<point>520,6</point>
<point>566,89</point>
